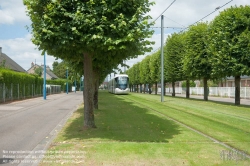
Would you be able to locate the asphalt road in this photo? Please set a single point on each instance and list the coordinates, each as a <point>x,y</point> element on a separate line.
<point>28,126</point>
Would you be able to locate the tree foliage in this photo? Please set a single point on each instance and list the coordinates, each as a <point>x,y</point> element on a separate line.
<point>229,45</point>
<point>103,28</point>
<point>173,55</point>
<point>229,42</point>
<point>99,33</point>
<point>60,69</point>
<point>154,66</point>
<point>197,64</point>
<point>207,51</point>
<point>196,60</point>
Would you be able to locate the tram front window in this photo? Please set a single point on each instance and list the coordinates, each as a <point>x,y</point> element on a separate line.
<point>121,82</point>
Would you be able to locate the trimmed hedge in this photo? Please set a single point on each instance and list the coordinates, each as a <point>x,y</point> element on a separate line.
<point>25,81</point>
<point>22,85</point>
<point>10,77</point>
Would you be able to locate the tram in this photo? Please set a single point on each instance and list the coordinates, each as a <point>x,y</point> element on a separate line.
<point>119,84</point>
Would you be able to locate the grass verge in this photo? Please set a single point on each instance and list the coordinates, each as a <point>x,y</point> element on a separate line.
<point>130,134</point>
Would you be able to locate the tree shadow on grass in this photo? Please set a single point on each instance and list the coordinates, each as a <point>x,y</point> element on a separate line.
<point>121,120</point>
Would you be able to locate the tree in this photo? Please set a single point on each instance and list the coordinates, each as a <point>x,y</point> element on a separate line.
<point>142,77</point>
<point>38,71</point>
<point>137,75</point>
<point>229,45</point>
<point>131,79</point>
<point>59,69</point>
<point>173,55</point>
<point>91,31</point>
<point>55,64</point>
<point>196,60</point>
<point>146,72</point>
<point>154,66</point>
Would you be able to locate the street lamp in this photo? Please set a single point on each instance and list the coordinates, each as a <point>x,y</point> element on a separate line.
<point>67,87</point>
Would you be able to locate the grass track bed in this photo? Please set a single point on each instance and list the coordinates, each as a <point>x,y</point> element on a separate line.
<point>130,134</point>
<point>225,128</point>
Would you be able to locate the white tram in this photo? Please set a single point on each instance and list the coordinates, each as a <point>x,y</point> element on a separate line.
<point>119,84</point>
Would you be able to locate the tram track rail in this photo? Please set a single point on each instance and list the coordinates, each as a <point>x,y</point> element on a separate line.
<point>240,117</point>
<point>239,151</point>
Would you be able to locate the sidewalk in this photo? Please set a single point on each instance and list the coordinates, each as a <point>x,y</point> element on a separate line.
<point>211,98</point>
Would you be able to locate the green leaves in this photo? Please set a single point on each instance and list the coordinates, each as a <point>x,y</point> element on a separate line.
<point>232,44</point>
<point>173,55</point>
<point>196,60</point>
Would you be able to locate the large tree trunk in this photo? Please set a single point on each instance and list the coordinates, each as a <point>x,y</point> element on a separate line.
<point>144,88</point>
<point>237,90</point>
<point>156,88</point>
<point>89,89</point>
<point>173,87</point>
<point>205,89</point>
<point>96,80</point>
<point>149,89</point>
<point>187,88</point>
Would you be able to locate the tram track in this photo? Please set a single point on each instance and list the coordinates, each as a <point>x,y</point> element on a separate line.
<point>239,151</point>
<point>240,117</point>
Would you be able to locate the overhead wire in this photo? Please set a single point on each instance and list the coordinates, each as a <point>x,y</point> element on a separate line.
<point>164,11</point>
<point>217,8</point>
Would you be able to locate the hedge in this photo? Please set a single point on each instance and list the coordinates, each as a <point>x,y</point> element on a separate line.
<point>25,85</point>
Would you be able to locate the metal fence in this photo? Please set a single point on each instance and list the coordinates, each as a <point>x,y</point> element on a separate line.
<point>17,92</point>
<point>213,91</point>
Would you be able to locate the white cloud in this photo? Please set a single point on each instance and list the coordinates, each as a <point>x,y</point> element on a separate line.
<point>24,52</point>
<point>188,12</point>
<point>12,11</point>
<point>157,39</point>
<point>181,13</point>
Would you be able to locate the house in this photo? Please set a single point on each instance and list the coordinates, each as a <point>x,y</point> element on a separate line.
<point>9,63</point>
<point>229,82</point>
<point>49,74</point>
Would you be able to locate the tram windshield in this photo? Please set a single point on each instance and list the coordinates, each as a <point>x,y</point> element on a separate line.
<point>122,82</point>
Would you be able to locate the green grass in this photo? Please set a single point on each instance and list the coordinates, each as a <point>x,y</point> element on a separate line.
<point>225,122</point>
<point>131,134</point>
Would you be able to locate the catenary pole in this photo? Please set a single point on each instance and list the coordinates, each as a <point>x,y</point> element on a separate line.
<point>162,58</point>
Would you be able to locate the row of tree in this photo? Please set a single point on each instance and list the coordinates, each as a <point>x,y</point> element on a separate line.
<point>94,36</point>
<point>205,51</point>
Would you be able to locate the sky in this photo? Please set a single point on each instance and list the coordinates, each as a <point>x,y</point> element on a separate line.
<point>15,38</point>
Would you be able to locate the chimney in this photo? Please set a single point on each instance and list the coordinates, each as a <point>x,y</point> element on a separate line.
<point>32,64</point>
<point>0,50</point>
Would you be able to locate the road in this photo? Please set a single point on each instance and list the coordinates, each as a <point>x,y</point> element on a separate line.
<point>29,126</point>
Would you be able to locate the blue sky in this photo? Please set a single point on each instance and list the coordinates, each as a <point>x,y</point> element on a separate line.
<point>15,38</point>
